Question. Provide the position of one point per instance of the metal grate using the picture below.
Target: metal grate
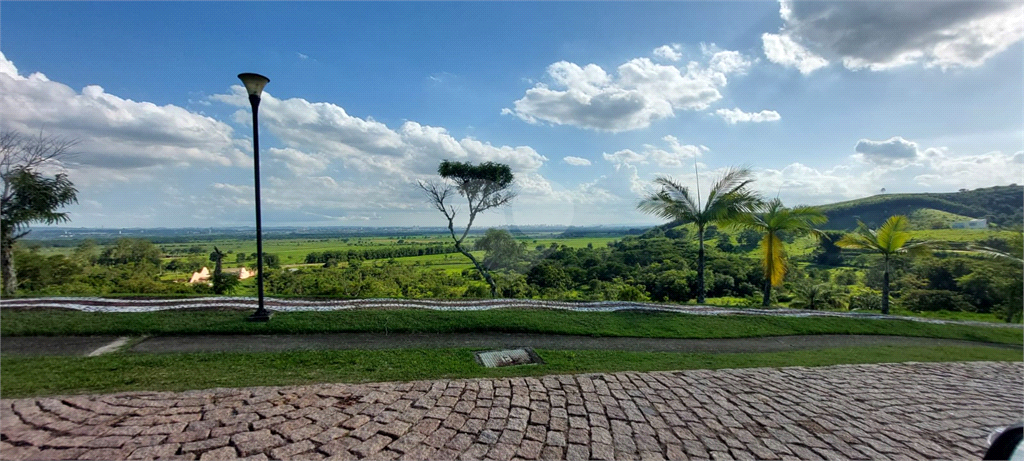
(505, 358)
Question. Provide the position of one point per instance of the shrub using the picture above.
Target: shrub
(934, 300)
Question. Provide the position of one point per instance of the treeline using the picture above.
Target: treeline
(659, 265)
(384, 252)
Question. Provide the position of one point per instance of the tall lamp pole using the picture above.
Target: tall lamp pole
(254, 84)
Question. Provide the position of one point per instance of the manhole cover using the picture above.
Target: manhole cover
(494, 359)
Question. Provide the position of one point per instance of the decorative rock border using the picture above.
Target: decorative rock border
(95, 304)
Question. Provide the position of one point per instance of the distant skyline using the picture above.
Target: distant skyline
(588, 102)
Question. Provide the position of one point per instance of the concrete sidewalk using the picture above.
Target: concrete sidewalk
(81, 346)
(886, 411)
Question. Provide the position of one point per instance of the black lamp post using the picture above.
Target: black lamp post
(254, 84)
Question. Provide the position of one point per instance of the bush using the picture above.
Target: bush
(865, 299)
(934, 300)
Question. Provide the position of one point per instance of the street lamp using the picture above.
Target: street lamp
(254, 84)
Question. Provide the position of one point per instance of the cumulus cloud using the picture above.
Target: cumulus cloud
(669, 52)
(410, 152)
(734, 116)
(888, 151)
(352, 167)
(675, 155)
(576, 161)
(934, 170)
(640, 92)
(725, 61)
(782, 50)
(886, 35)
(114, 133)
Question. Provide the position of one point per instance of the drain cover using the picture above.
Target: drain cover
(494, 359)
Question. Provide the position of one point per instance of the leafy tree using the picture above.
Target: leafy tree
(87, 252)
(889, 240)
(503, 250)
(484, 186)
(131, 251)
(29, 195)
(827, 253)
(748, 239)
(934, 300)
(774, 220)
(728, 198)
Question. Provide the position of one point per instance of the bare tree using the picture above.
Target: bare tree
(485, 186)
(29, 195)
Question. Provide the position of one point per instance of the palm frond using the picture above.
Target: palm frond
(673, 202)
(893, 235)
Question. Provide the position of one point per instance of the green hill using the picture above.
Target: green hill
(1001, 205)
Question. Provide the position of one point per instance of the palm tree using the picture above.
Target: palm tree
(772, 221)
(728, 198)
(817, 296)
(889, 240)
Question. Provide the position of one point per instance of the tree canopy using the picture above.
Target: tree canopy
(484, 186)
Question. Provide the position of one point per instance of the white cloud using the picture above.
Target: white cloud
(782, 50)
(887, 35)
(300, 163)
(734, 116)
(576, 161)
(669, 52)
(346, 168)
(411, 152)
(725, 61)
(888, 151)
(115, 134)
(625, 156)
(677, 154)
(642, 92)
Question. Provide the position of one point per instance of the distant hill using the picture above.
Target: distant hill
(1001, 205)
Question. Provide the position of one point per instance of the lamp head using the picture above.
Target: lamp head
(254, 83)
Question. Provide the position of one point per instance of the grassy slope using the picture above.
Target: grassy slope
(174, 372)
(1000, 202)
(628, 324)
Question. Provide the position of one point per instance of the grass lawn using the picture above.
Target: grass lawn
(38, 376)
(622, 323)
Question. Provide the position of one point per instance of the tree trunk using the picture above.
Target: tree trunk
(700, 265)
(10, 277)
(885, 292)
(481, 269)
(885, 288)
(767, 292)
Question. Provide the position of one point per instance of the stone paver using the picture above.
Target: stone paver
(890, 411)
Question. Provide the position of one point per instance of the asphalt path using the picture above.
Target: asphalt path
(81, 346)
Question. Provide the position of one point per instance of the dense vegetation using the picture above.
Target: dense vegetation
(656, 266)
(659, 265)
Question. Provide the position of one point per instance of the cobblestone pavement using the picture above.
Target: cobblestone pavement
(889, 411)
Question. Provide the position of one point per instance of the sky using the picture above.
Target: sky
(587, 102)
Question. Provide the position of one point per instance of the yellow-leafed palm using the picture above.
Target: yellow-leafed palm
(774, 220)
(888, 240)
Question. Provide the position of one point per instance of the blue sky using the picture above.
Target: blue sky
(588, 102)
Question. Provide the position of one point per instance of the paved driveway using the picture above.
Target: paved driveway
(891, 411)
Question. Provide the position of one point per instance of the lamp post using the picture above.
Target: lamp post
(254, 84)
